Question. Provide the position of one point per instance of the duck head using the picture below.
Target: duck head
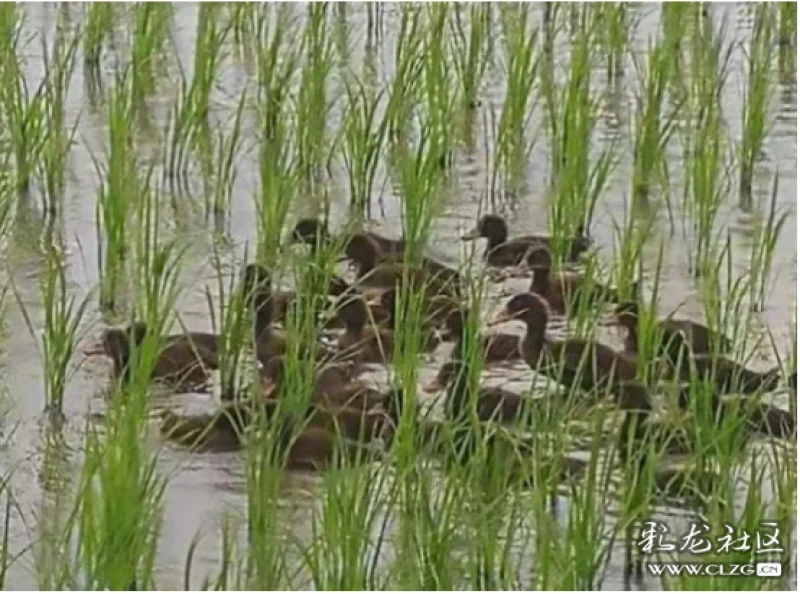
(312, 232)
(525, 307)
(491, 227)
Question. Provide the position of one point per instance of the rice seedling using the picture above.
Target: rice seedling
(762, 251)
(707, 159)
(149, 31)
(24, 112)
(99, 21)
(59, 140)
(227, 150)
(470, 50)
(312, 103)
(63, 317)
(404, 90)
(758, 96)
(362, 139)
(615, 20)
(577, 180)
(787, 35)
(512, 145)
(118, 188)
(652, 128)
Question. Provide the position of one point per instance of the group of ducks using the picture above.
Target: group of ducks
(345, 417)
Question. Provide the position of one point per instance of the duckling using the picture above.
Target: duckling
(589, 365)
(493, 404)
(674, 332)
(366, 343)
(181, 363)
(497, 347)
(562, 289)
(504, 252)
(433, 277)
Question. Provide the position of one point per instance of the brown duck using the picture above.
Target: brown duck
(586, 364)
(674, 334)
(181, 362)
(333, 386)
(728, 376)
(493, 404)
(308, 444)
(315, 234)
(563, 289)
(390, 303)
(256, 276)
(433, 277)
(497, 347)
(361, 340)
(502, 251)
(640, 437)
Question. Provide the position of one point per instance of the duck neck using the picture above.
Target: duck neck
(262, 318)
(368, 260)
(541, 280)
(497, 236)
(534, 340)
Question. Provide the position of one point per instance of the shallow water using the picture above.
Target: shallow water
(206, 488)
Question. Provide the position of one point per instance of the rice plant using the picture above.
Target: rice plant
(758, 95)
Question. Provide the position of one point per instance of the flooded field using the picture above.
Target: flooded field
(150, 152)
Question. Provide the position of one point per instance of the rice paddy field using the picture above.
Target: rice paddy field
(150, 151)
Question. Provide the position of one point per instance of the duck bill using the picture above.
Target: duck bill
(471, 236)
(432, 386)
(501, 318)
(94, 350)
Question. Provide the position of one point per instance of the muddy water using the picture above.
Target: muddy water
(206, 488)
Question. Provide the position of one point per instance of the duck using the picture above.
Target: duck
(269, 342)
(674, 333)
(316, 442)
(759, 418)
(640, 437)
(497, 347)
(436, 308)
(360, 340)
(390, 303)
(334, 385)
(315, 234)
(181, 362)
(434, 277)
(493, 404)
(256, 276)
(561, 290)
(503, 251)
(727, 376)
(587, 364)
